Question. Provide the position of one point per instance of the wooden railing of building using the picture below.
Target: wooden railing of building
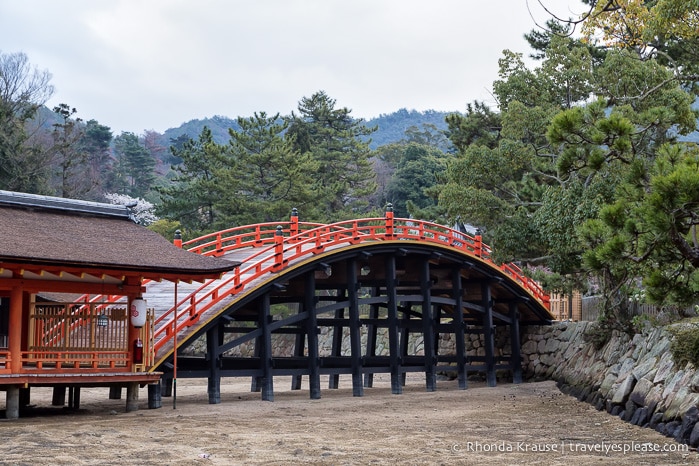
(81, 337)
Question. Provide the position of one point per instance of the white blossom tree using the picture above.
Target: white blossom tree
(143, 212)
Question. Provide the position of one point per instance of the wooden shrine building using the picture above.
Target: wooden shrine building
(60, 260)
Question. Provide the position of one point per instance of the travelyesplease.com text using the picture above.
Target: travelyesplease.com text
(604, 448)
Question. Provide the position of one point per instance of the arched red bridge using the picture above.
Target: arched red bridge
(359, 280)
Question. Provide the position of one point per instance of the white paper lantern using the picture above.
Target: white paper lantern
(138, 312)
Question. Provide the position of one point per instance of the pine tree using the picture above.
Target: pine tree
(135, 165)
(195, 191)
(339, 145)
(264, 178)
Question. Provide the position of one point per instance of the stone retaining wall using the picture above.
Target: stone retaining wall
(632, 377)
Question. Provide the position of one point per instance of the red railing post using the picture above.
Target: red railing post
(278, 249)
(178, 239)
(319, 243)
(294, 225)
(219, 245)
(478, 244)
(236, 277)
(355, 233)
(389, 221)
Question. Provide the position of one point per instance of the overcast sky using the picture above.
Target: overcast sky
(137, 65)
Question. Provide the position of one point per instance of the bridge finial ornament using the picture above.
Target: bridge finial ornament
(177, 241)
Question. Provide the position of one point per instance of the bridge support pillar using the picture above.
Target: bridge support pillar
(166, 383)
(309, 306)
(299, 347)
(74, 397)
(404, 337)
(372, 333)
(334, 379)
(155, 399)
(213, 342)
(459, 327)
(488, 336)
(354, 325)
(515, 345)
(256, 384)
(393, 335)
(115, 392)
(267, 380)
(428, 328)
(25, 397)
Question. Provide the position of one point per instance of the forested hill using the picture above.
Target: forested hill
(218, 125)
(391, 126)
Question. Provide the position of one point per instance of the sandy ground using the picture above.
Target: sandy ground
(531, 423)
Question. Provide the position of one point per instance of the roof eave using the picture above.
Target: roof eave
(148, 272)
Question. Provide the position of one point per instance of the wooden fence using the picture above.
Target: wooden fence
(576, 307)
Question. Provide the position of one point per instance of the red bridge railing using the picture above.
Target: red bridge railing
(282, 243)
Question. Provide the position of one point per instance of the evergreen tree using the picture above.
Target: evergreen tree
(72, 176)
(95, 142)
(416, 171)
(334, 140)
(135, 166)
(429, 135)
(195, 191)
(263, 176)
(587, 176)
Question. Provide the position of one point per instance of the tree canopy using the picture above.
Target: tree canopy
(24, 166)
(265, 174)
(334, 140)
(583, 172)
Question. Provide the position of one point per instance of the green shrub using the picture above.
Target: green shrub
(685, 345)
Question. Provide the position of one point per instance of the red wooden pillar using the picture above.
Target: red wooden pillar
(389, 221)
(16, 329)
(478, 244)
(294, 225)
(278, 250)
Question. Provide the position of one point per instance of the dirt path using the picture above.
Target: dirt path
(507, 424)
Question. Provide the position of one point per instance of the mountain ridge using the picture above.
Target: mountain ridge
(391, 127)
